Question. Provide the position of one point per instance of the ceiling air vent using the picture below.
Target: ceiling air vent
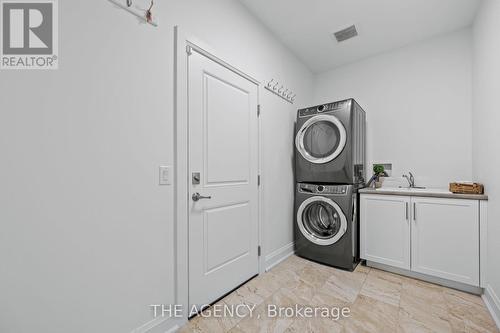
(346, 33)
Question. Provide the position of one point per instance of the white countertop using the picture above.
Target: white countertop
(419, 192)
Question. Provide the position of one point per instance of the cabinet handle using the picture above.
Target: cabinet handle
(406, 206)
(414, 211)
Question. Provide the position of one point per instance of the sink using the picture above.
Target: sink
(393, 189)
(414, 189)
(402, 189)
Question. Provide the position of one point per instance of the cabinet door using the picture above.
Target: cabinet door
(385, 229)
(445, 238)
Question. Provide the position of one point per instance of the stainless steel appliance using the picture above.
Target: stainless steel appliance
(326, 224)
(330, 144)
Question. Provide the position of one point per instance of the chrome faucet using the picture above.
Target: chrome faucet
(410, 179)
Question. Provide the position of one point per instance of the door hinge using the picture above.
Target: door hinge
(258, 110)
(258, 180)
(258, 251)
(189, 50)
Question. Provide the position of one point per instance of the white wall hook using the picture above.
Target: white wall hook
(136, 10)
(282, 92)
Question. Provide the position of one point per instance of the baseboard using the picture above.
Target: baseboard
(161, 325)
(492, 303)
(277, 256)
(432, 279)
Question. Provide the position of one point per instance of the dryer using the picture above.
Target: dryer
(330, 143)
(326, 224)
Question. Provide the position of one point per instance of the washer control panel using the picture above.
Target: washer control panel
(322, 189)
(313, 110)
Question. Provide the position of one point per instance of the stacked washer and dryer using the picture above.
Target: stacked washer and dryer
(330, 168)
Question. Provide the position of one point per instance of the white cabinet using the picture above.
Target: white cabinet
(385, 229)
(445, 238)
(433, 236)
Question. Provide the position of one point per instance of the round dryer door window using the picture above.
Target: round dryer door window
(321, 221)
(321, 139)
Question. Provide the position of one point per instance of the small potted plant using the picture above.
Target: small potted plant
(378, 172)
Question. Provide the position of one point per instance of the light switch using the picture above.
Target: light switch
(165, 175)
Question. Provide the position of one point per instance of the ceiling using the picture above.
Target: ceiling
(306, 26)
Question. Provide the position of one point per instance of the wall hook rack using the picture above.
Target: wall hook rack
(279, 90)
(144, 14)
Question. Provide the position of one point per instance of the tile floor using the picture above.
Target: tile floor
(378, 302)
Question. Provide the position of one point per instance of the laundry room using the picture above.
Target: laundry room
(249, 166)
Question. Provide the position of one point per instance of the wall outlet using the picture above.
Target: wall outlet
(165, 175)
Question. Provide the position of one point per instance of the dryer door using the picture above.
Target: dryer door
(321, 220)
(321, 139)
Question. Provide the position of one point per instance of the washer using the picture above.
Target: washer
(326, 224)
(330, 143)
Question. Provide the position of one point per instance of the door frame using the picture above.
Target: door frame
(183, 43)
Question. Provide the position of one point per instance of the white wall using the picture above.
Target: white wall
(278, 179)
(418, 105)
(86, 241)
(486, 66)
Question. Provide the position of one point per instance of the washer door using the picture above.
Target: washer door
(321, 139)
(321, 220)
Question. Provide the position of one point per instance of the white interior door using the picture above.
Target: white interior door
(223, 163)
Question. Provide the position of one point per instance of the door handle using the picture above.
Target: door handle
(406, 206)
(414, 211)
(197, 197)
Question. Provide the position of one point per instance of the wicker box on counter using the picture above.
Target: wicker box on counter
(467, 188)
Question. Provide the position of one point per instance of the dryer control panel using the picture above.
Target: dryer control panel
(313, 110)
(323, 189)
